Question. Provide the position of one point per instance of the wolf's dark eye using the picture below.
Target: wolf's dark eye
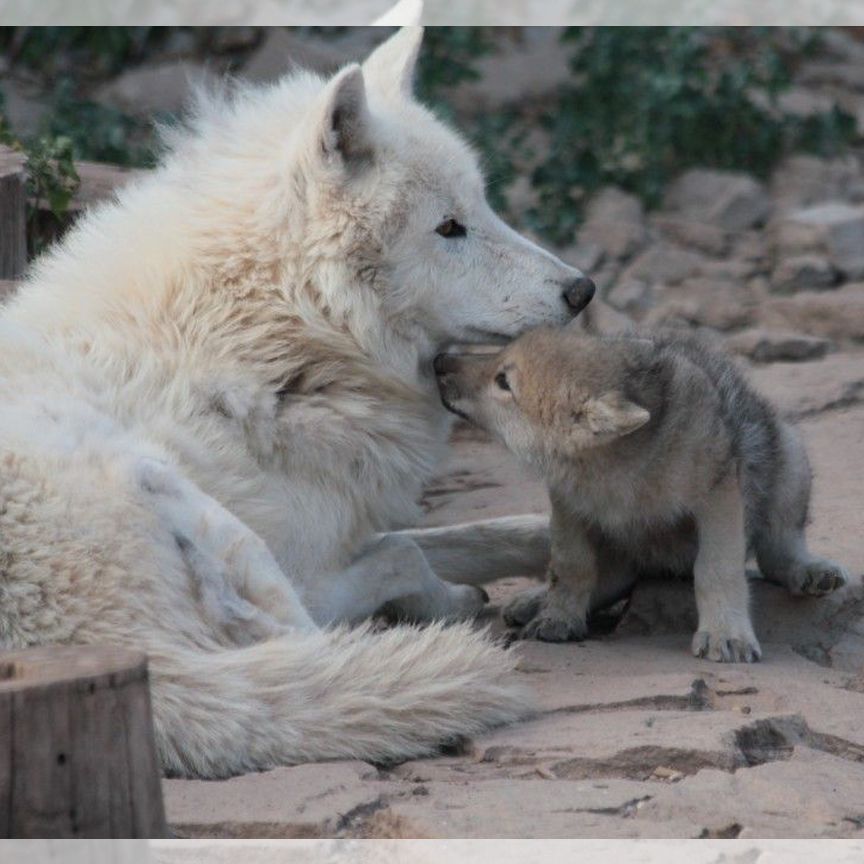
(451, 228)
(501, 381)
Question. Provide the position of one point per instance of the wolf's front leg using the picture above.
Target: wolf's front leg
(241, 587)
(478, 552)
(559, 613)
(391, 572)
(725, 632)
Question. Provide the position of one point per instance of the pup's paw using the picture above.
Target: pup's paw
(725, 647)
(818, 578)
(523, 607)
(550, 628)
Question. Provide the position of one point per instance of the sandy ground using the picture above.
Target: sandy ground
(634, 737)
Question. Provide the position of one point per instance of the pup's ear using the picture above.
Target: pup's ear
(614, 414)
(344, 128)
(390, 67)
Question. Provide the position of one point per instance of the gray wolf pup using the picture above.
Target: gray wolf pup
(658, 457)
(218, 405)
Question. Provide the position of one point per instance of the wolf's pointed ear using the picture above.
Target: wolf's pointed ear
(344, 130)
(613, 414)
(401, 14)
(390, 67)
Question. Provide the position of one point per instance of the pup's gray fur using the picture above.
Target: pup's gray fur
(659, 457)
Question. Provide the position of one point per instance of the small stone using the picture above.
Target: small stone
(663, 262)
(587, 257)
(731, 269)
(705, 238)
(834, 229)
(801, 181)
(831, 314)
(849, 75)
(612, 204)
(154, 88)
(633, 296)
(615, 222)
(803, 273)
(769, 346)
(703, 302)
(227, 39)
(727, 199)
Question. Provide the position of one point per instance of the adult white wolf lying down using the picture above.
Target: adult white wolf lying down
(218, 391)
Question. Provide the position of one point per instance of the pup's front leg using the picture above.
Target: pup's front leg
(559, 613)
(725, 633)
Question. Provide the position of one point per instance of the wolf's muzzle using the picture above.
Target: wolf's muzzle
(579, 293)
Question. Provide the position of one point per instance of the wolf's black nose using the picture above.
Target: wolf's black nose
(578, 293)
(445, 363)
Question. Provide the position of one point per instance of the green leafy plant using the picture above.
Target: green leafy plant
(98, 132)
(52, 181)
(648, 102)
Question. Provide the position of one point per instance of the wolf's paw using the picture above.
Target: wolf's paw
(523, 607)
(468, 602)
(724, 647)
(549, 628)
(818, 578)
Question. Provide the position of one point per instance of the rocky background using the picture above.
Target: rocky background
(634, 737)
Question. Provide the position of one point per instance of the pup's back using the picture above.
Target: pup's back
(755, 432)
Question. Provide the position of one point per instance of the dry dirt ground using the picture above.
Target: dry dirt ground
(634, 737)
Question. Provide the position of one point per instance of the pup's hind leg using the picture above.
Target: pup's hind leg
(722, 599)
(391, 572)
(778, 537)
(241, 587)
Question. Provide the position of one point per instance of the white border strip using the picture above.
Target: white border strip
(441, 12)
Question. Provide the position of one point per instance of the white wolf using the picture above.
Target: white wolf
(218, 391)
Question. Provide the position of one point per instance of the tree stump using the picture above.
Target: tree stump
(77, 753)
(13, 214)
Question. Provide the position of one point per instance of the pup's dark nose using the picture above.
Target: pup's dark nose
(445, 363)
(578, 293)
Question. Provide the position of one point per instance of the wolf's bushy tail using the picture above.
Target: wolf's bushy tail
(349, 694)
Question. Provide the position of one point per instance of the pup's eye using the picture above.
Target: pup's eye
(451, 228)
(501, 381)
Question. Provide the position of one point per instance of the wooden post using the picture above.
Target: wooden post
(13, 214)
(77, 754)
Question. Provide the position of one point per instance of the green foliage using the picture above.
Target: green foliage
(98, 132)
(448, 58)
(648, 102)
(52, 181)
(93, 51)
(643, 104)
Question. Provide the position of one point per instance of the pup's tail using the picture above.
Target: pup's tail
(342, 694)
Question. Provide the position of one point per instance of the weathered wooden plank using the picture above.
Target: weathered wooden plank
(13, 214)
(81, 760)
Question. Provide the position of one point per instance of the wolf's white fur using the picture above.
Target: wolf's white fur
(217, 391)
